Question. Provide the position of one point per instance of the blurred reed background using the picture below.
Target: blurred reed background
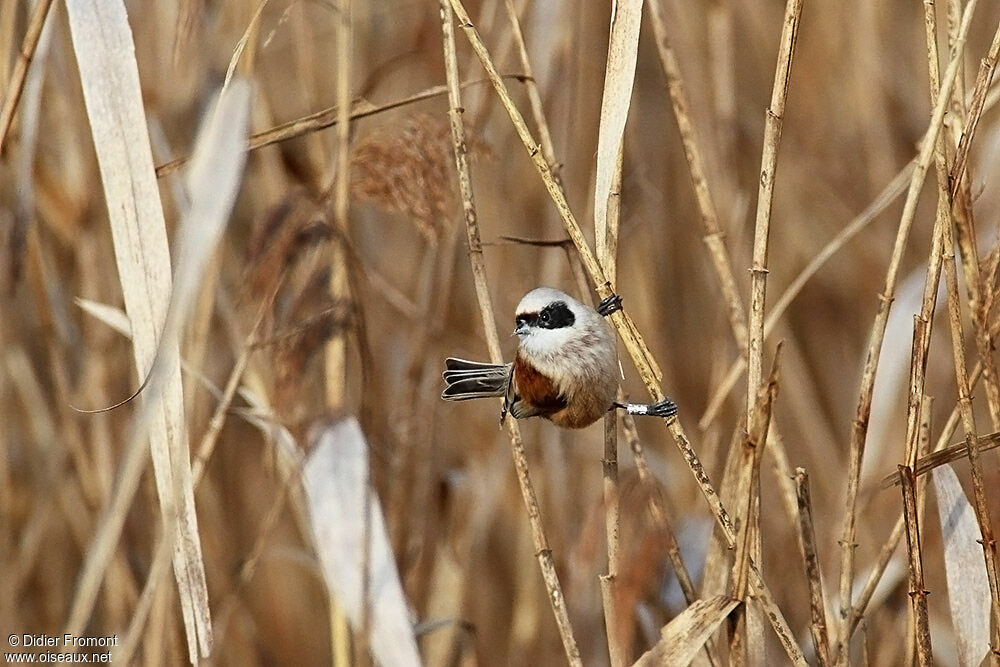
(858, 105)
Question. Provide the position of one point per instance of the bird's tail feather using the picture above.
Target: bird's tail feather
(472, 379)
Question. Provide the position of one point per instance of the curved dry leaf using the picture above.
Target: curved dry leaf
(336, 485)
(965, 571)
(105, 55)
(623, 46)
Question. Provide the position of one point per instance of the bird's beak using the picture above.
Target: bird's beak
(521, 329)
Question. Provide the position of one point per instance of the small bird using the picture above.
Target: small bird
(565, 368)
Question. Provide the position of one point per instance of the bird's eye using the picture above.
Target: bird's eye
(544, 317)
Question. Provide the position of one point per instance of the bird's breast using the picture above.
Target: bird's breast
(536, 388)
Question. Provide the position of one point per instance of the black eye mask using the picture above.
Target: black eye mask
(556, 315)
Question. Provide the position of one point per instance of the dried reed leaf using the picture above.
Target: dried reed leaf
(682, 638)
(212, 181)
(338, 494)
(105, 55)
(965, 572)
(619, 76)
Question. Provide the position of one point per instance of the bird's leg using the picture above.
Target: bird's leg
(664, 408)
(609, 305)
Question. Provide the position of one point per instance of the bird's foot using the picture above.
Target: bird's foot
(609, 305)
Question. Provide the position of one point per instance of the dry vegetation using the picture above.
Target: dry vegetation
(330, 296)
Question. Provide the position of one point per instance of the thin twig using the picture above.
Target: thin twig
(542, 550)
(20, 73)
(328, 117)
(950, 454)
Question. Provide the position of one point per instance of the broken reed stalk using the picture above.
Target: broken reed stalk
(542, 550)
(918, 596)
(859, 428)
(20, 73)
(810, 560)
(627, 331)
(714, 238)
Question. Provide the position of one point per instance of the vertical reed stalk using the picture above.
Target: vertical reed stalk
(758, 288)
(542, 550)
(613, 620)
(336, 348)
